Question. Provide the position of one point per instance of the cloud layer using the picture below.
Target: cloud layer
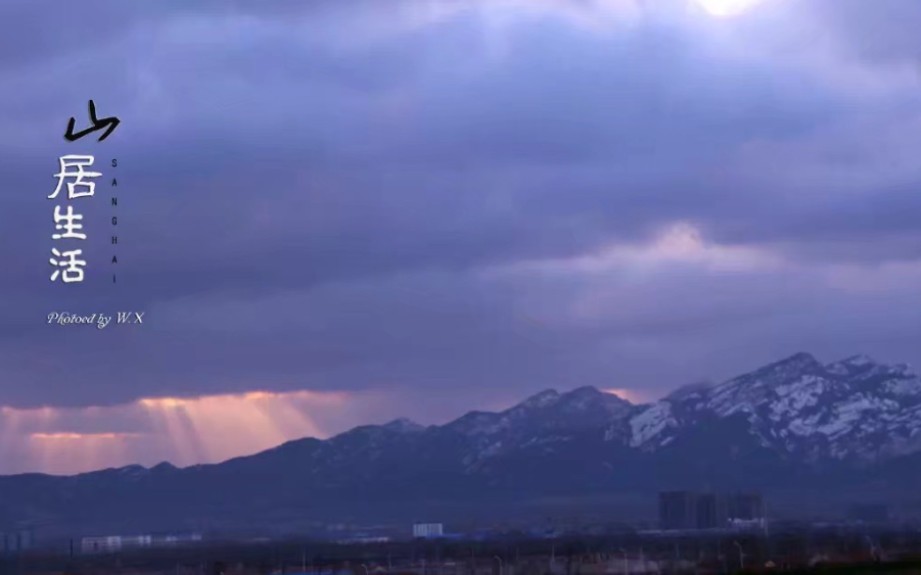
(470, 201)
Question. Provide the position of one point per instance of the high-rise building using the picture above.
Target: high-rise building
(15, 541)
(689, 510)
(746, 507)
(677, 510)
(711, 511)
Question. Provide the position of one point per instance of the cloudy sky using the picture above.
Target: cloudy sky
(342, 212)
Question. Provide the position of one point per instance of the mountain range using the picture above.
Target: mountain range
(797, 429)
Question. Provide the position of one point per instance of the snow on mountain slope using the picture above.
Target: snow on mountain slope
(545, 419)
(854, 409)
(652, 424)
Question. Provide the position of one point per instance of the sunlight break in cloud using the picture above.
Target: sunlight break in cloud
(634, 396)
(219, 427)
(181, 430)
(728, 8)
(678, 243)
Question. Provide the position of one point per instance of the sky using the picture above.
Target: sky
(335, 213)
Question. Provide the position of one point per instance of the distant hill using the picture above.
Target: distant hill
(796, 428)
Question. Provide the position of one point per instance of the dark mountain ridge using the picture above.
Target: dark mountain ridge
(848, 427)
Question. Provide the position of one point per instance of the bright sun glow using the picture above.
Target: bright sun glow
(727, 8)
(631, 395)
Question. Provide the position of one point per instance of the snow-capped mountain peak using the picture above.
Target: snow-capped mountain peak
(858, 360)
(587, 398)
(851, 365)
(690, 390)
(539, 400)
(855, 408)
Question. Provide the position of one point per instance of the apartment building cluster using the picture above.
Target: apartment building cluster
(691, 510)
(16, 540)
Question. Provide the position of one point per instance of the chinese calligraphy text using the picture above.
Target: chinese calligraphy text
(76, 176)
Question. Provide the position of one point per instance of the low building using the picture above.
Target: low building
(115, 543)
(175, 539)
(363, 540)
(428, 530)
(869, 513)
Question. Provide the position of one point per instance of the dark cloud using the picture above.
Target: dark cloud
(333, 199)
